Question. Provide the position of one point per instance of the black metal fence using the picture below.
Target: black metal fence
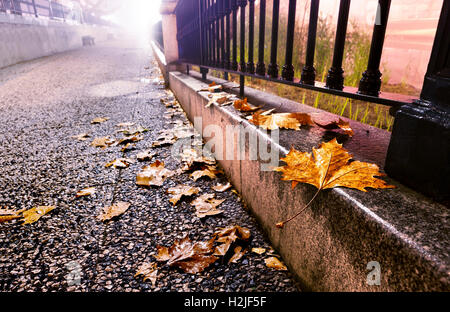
(208, 36)
(419, 151)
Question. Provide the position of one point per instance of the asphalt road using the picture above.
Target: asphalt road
(43, 103)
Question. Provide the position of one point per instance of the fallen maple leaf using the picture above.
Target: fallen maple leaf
(115, 210)
(145, 155)
(102, 142)
(206, 205)
(34, 214)
(99, 120)
(180, 191)
(229, 235)
(153, 175)
(190, 257)
(86, 192)
(191, 157)
(221, 187)
(131, 139)
(275, 263)
(208, 171)
(340, 124)
(327, 167)
(281, 120)
(243, 106)
(149, 270)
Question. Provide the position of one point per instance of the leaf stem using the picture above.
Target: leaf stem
(281, 224)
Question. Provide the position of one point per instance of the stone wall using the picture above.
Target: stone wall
(24, 38)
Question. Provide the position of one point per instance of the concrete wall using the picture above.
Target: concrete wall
(23, 38)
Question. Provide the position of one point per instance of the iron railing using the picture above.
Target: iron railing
(419, 150)
(208, 37)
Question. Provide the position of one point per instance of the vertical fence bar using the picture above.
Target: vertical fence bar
(217, 23)
(228, 34)
(272, 69)
(201, 9)
(308, 71)
(251, 37)
(213, 32)
(210, 34)
(335, 78)
(222, 32)
(370, 83)
(261, 67)
(288, 69)
(234, 64)
(242, 64)
(34, 8)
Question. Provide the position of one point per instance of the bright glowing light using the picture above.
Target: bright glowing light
(137, 16)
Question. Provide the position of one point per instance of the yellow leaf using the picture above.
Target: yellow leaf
(34, 214)
(113, 211)
(81, 137)
(274, 263)
(329, 166)
(259, 251)
(281, 120)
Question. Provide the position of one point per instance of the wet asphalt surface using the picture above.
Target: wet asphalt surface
(43, 103)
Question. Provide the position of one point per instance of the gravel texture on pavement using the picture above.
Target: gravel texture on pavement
(43, 103)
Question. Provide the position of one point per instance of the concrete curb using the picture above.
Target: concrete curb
(346, 236)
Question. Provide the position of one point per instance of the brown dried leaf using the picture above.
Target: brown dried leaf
(131, 139)
(340, 124)
(145, 155)
(239, 252)
(115, 210)
(102, 142)
(180, 191)
(208, 171)
(86, 192)
(274, 263)
(153, 175)
(229, 235)
(329, 166)
(221, 187)
(34, 214)
(190, 257)
(206, 205)
(281, 120)
(243, 106)
(149, 270)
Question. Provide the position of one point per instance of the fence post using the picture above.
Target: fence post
(419, 151)
(169, 27)
(34, 8)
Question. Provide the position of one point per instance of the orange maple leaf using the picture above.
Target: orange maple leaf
(327, 167)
